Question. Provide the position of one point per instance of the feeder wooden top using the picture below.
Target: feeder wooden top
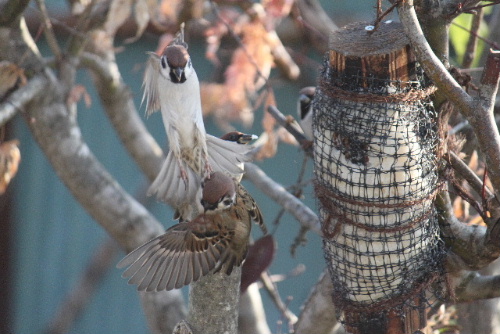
(354, 40)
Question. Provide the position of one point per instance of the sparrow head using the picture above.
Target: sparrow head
(306, 96)
(176, 63)
(238, 137)
(219, 192)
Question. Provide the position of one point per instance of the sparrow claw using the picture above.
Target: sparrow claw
(184, 177)
(208, 169)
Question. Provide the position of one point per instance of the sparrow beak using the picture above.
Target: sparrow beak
(245, 139)
(178, 73)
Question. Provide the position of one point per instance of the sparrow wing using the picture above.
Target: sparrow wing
(182, 255)
(150, 84)
(251, 206)
(226, 156)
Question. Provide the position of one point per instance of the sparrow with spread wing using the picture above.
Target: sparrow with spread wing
(171, 85)
(214, 240)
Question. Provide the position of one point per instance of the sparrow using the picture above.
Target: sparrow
(215, 240)
(171, 86)
(233, 136)
(304, 110)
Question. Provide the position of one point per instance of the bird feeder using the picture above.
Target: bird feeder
(375, 155)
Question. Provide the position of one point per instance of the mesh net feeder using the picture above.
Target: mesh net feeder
(376, 176)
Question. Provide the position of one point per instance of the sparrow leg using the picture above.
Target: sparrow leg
(184, 175)
(208, 168)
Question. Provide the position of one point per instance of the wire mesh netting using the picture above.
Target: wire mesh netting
(376, 178)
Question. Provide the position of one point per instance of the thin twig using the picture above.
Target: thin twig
(474, 8)
(278, 193)
(470, 53)
(492, 44)
(272, 290)
(292, 128)
(468, 174)
(48, 31)
(381, 15)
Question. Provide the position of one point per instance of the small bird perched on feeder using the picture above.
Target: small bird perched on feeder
(171, 85)
(215, 240)
(304, 110)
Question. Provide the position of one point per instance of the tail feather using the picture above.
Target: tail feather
(170, 188)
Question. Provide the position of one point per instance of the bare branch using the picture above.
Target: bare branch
(279, 194)
(11, 10)
(292, 128)
(272, 290)
(19, 99)
(120, 108)
(479, 112)
(470, 52)
(318, 313)
(213, 303)
(474, 286)
(49, 32)
(163, 310)
(315, 17)
(475, 245)
(252, 317)
(474, 181)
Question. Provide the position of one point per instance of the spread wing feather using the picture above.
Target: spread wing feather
(182, 255)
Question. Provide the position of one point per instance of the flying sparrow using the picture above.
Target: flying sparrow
(304, 110)
(171, 85)
(215, 240)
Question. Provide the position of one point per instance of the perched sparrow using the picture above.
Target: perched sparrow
(171, 85)
(216, 239)
(304, 110)
(233, 136)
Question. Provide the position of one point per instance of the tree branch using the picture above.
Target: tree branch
(11, 10)
(318, 313)
(252, 317)
(475, 245)
(474, 286)
(120, 108)
(279, 194)
(479, 111)
(213, 303)
(315, 17)
(19, 99)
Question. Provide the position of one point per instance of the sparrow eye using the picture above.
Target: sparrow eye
(163, 62)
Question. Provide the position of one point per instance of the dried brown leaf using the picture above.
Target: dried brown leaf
(10, 157)
(259, 258)
(11, 76)
(458, 208)
(77, 93)
(169, 9)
